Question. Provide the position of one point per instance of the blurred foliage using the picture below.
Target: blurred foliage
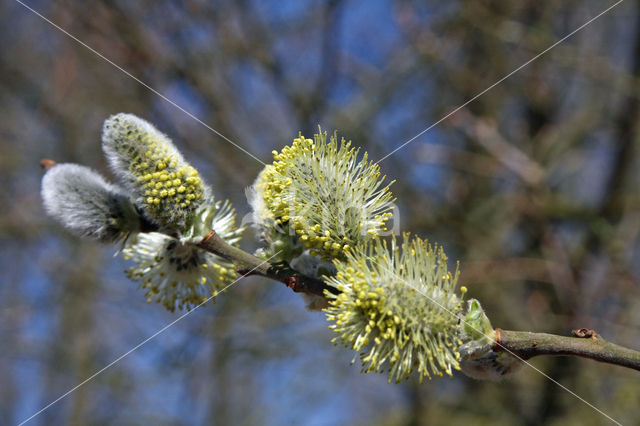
(533, 187)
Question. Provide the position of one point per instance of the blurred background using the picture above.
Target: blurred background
(533, 187)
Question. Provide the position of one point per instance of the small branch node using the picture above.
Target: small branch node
(293, 283)
(46, 163)
(585, 333)
(209, 236)
(498, 338)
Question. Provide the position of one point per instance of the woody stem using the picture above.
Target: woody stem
(248, 264)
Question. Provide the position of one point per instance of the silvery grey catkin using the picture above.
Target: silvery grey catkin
(87, 205)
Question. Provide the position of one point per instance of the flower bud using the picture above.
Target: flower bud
(164, 185)
(87, 205)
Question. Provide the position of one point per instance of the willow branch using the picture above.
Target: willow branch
(524, 344)
(248, 264)
(585, 344)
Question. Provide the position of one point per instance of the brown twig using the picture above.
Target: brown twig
(248, 264)
(526, 345)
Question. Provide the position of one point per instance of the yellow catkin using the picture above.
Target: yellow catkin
(401, 320)
(321, 190)
(166, 187)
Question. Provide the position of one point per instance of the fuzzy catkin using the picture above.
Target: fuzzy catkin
(176, 273)
(322, 193)
(164, 185)
(87, 205)
(398, 307)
